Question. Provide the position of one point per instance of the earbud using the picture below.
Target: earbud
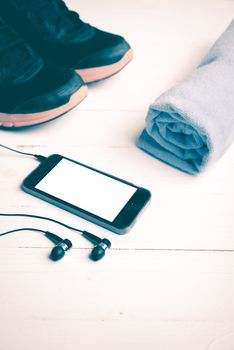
(101, 245)
(58, 252)
(99, 250)
(62, 245)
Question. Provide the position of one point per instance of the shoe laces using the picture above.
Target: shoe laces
(53, 19)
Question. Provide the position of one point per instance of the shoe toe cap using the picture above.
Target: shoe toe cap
(111, 49)
(51, 99)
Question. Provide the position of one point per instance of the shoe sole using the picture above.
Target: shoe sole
(91, 75)
(21, 120)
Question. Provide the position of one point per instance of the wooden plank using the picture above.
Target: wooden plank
(132, 299)
(81, 128)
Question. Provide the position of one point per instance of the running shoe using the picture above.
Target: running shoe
(32, 90)
(60, 36)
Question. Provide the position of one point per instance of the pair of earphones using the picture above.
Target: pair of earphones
(64, 245)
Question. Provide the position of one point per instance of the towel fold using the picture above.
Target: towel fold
(192, 124)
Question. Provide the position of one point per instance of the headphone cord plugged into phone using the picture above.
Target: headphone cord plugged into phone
(100, 245)
(39, 157)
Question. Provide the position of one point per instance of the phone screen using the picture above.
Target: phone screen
(89, 190)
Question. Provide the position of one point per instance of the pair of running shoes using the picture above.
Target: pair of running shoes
(47, 56)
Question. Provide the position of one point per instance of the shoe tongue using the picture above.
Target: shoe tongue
(18, 62)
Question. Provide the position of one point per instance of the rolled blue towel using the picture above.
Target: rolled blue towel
(192, 124)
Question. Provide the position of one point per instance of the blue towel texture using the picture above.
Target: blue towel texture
(192, 124)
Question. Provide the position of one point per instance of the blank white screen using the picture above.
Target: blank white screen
(87, 189)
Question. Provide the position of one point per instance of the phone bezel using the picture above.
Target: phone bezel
(121, 224)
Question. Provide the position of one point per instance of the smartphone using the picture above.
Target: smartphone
(96, 196)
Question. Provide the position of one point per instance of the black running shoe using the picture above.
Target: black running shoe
(60, 36)
(33, 91)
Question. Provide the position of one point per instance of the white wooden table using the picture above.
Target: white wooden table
(169, 283)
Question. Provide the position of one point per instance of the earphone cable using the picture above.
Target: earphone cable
(44, 218)
(98, 252)
(39, 157)
(22, 229)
